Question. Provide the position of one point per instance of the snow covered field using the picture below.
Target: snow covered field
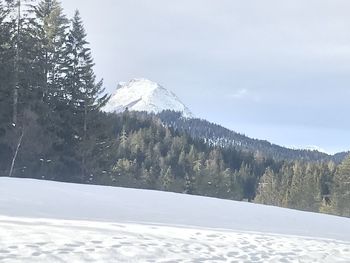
(43, 221)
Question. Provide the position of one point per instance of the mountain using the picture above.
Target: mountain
(216, 135)
(145, 95)
(111, 224)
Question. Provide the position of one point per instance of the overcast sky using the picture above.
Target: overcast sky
(275, 70)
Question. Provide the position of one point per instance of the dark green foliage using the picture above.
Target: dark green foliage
(83, 95)
(138, 151)
(6, 68)
(341, 189)
(46, 119)
(51, 26)
(52, 127)
(217, 135)
(296, 185)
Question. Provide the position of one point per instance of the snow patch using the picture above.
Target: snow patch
(43, 240)
(46, 199)
(43, 221)
(145, 95)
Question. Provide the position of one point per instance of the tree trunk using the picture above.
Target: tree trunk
(84, 142)
(16, 75)
(16, 153)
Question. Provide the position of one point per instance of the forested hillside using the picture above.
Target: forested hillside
(52, 127)
(217, 135)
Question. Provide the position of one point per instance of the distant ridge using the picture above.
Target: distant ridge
(217, 135)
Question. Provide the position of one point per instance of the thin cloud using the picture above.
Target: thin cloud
(245, 94)
(240, 94)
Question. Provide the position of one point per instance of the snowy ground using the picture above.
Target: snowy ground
(44, 221)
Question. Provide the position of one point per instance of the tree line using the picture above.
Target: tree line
(318, 187)
(49, 92)
(217, 135)
(52, 127)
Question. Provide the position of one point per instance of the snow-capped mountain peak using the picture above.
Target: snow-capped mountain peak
(145, 95)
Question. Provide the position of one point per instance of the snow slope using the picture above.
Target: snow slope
(145, 95)
(42, 221)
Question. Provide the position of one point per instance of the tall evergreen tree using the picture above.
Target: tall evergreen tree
(6, 82)
(341, 189)
(84, 94)
(20, 56)
(6, 66)
(166, 179)
(267, 192)
(51, 26)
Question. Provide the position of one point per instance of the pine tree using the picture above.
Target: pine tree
(286, 177)
(248, 180)
(84, 94)
(236, 189)
(189, 184)
(166, 179)
(6, 91)
(223, 184)
(16, 66)
(150, 177)
(295, 192)
(51, 26)
(123, 138)
(341, 189)
(311, 188)
(6, 68)
(267, 192)
(19, 54)
(24, 80)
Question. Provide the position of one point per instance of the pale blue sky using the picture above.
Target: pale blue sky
(275, 70)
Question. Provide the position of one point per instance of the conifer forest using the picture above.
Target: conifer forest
(53, 127)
